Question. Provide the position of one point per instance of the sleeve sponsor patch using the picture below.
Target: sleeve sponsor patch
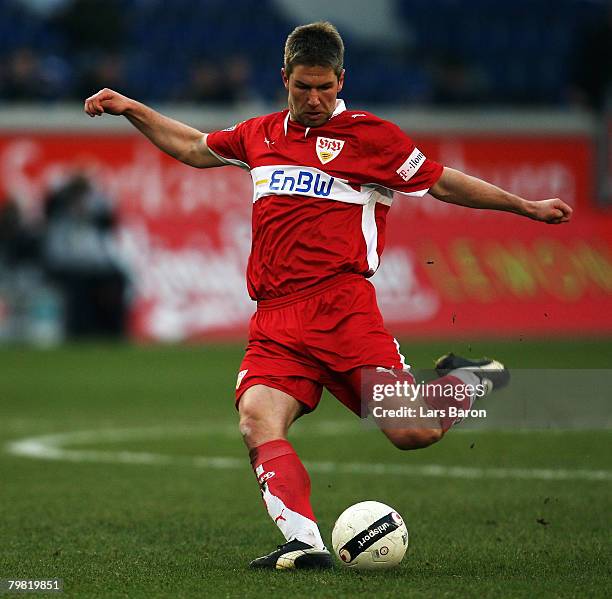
(412, 164)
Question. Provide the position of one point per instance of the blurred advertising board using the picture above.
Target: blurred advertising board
(446, 270)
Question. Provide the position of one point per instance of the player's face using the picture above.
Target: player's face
(312, 93)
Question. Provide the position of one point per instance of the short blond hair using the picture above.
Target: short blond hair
(315, 45)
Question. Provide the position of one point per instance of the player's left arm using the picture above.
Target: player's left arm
(456, 187)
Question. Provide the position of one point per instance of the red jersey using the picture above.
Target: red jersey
(321, 194)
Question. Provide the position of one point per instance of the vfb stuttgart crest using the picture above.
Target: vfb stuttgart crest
(328, 149)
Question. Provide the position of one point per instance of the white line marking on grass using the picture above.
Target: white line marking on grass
(54, 447)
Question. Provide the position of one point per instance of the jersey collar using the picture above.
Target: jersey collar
(340, 107)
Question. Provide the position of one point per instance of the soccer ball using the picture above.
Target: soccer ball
(370, 536)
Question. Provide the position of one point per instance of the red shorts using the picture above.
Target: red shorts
(320, 337)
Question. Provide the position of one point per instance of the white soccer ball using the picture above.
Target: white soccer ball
(370, 536)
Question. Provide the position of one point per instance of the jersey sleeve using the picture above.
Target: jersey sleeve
(229, 145)
(397, 164)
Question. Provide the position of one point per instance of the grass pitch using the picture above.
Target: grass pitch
(156, 498)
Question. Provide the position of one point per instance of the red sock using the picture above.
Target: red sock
(285, 489)
(443, 401)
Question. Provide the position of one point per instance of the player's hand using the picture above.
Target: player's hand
(553, 211)
(107, 100)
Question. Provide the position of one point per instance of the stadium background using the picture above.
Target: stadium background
(170, 243)
(128, 269)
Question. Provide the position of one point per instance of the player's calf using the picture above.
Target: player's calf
(413, 438)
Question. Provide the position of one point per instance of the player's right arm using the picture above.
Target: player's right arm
(173, 137)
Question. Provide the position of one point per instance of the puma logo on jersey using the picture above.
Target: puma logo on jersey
(354, 116)
(387, 370)
(328, 149)
(240, 377)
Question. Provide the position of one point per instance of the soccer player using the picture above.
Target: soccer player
(323, 180)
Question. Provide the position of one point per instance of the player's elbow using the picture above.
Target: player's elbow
(453, 187)
(189, 157)
(199, 158)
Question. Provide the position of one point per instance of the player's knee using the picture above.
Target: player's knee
(257, 424)
(414, 438)
(266, 414)
(250, 420)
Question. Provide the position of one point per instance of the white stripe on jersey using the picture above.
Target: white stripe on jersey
(231, 161)
(405, 367)
(289, 180)
(370, 234)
